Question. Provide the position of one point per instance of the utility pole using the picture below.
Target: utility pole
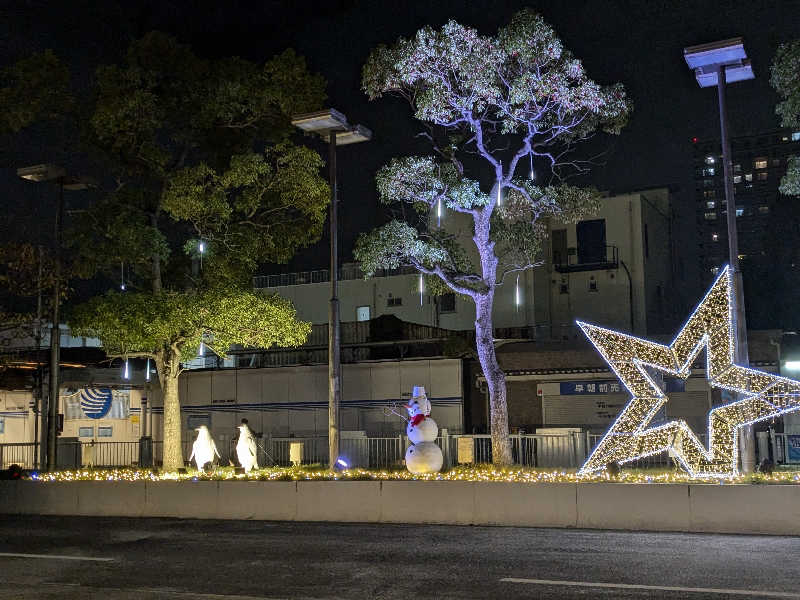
(332, 125)
(719, 63)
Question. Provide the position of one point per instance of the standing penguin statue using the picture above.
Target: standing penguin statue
(204, 448)
(246, 449)
(424, 455)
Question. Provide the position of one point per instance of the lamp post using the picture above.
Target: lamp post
(717, 64)
(332, 124)
(53, 174)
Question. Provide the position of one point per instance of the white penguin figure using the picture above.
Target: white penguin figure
(246, 449)
(204, 448)
(424, 455)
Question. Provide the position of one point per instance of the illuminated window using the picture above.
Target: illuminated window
(748, 177)
(796, 136)
(714, 237)
(447, 303)
(362, 313)
(714, 270)
(394, 301)
(739, 212)
(761, 163)
(709, 194)
(763, 210)
(104, 431)
(763, 176)
(709, 160)
(711, 216)
(737, 179)
(708, 171)
(85, 432)
(737, 168)
(711, 204)
(708, 183)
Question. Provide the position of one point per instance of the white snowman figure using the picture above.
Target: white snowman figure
(246, 449)
(423, 456)
(204, 448)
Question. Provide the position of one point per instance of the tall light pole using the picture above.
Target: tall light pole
(332, 125)
(54, 174)
(717, 64)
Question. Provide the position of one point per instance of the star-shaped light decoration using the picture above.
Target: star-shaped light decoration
(761, 395)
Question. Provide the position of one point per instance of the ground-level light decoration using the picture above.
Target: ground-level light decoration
(423, 455)
(762, 395)
(246, 450)
(204, 448)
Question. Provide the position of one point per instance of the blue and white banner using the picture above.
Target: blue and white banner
(97, 403)
(793, 448)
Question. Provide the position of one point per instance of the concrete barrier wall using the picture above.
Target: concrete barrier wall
(766, 509)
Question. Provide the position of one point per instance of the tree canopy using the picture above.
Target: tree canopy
(785, 78)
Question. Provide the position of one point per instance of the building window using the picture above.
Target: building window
(85, 432)
(708, 171)
(737, 168)
(763, 176)
(748, 177)
(796, 136)
(708, 183)
(564, 288)
(714, 237)
(362, 313)
(763, 210)
(711, 204)
(761, 163)
(447, 303)
(394, 301)
(591, 241)
(776, 162)
(2, 424)
(593, 285)
(709, 194)
(739, 212)
(709, 160)
(737, 179)
(714, 270)
(104, 431)
(710, 216)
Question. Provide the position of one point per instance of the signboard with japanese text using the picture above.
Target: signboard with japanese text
(573, 388)
(793, 448)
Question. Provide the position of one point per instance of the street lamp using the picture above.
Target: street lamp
(49, 173)
(332, 124)
(716, 64)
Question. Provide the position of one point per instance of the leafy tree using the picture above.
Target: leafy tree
(786, 81)
(206, 186)
(519, 90)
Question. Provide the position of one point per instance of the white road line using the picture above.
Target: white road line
(663, 588)
(55, 556)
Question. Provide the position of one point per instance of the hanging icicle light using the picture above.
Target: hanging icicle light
(439, 213)
(122, 275)
(532, 173)
(499, 187)
(126, 373)
(517, 297)
(147, 371)
(202, 350)
(421, 288)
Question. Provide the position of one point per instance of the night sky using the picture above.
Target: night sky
(637, 43)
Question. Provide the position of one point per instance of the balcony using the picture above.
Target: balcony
(603, 258)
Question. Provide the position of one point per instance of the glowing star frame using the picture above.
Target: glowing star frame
(763, 395)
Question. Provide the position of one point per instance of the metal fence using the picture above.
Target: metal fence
(530, 450)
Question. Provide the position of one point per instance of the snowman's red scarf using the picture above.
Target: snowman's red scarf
(417, 419)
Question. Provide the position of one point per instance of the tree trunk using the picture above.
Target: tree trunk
(168, 371)
(495, 380)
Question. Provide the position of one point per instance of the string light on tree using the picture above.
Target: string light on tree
(147, 370)
(517, 296)
(710, 327)
(126, 374)
(421, 288)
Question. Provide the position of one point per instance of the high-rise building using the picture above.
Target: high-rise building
(768, 223)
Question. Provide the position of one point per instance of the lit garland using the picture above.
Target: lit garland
(477, 473)
(711, 326)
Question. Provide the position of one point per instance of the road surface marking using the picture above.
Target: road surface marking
(55, 556)
(662, 588)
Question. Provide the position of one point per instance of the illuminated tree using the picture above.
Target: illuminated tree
(490, 105)
(786, 81)
(201, 184)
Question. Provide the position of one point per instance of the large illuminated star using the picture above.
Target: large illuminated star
(761, 395)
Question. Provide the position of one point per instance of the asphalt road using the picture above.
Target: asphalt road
(165, 559)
